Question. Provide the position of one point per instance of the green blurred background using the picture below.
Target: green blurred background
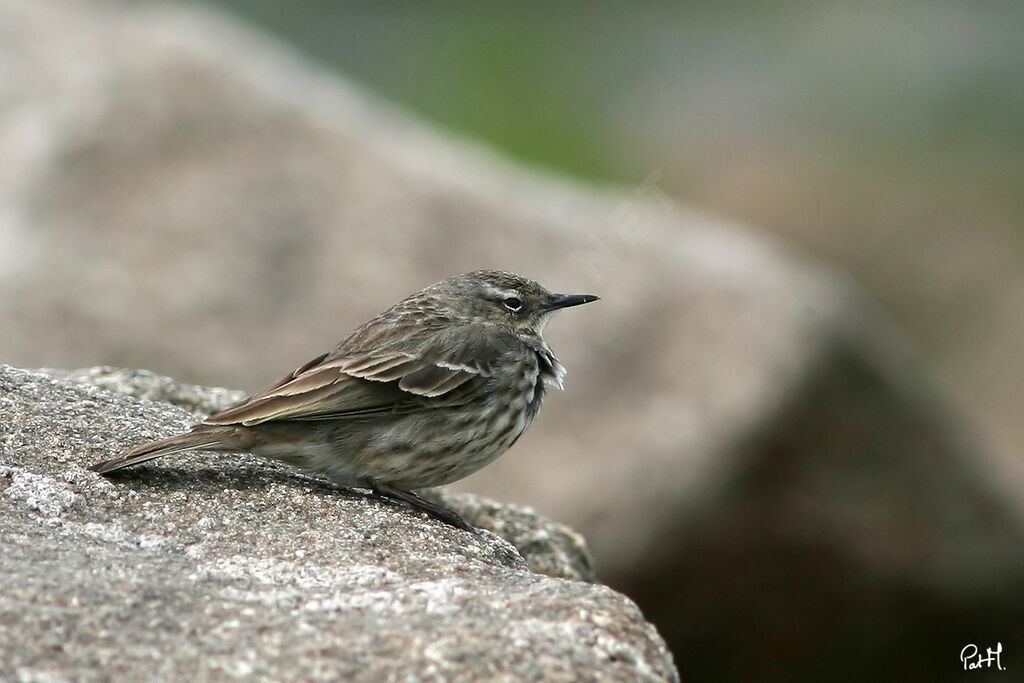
(886, 137)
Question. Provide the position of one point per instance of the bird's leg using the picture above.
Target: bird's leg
(437, 511)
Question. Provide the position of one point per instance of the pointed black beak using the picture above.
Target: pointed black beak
(566, 300)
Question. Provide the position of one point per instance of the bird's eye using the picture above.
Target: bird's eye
(513, 303)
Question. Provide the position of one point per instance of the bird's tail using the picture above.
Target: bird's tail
(191, 441)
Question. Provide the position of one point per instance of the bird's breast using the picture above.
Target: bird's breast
(543, 372)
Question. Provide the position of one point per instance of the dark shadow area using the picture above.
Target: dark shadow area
(836, 557)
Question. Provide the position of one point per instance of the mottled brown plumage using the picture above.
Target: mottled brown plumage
(426, 393)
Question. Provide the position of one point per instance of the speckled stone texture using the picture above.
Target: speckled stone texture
(210, 567)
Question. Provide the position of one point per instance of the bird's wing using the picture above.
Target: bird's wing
(445, 369)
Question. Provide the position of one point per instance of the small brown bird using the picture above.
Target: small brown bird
(426, 393)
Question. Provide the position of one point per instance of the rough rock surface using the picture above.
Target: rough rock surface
(745, 448)
(204, 568)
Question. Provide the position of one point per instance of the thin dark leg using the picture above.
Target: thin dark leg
(437, 511)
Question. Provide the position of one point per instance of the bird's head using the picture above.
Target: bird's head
(496, 297)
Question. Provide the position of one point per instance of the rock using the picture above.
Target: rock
(550, 548)
(742, 441)
(207, 567)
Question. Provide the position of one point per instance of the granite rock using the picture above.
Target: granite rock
(208, 567)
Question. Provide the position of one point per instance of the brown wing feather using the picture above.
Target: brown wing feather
(317, 394)
(434, 380)
(379, 367)
(295, 373)
(353, 383)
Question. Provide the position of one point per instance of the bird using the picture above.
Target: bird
(426, 393)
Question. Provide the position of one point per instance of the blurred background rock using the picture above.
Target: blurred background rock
(884, 137)
(751, 452)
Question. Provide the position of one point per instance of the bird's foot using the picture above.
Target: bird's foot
(436, 511)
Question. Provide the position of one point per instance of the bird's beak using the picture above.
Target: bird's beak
(565, 300)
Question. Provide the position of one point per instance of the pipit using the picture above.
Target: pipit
(426, 393)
